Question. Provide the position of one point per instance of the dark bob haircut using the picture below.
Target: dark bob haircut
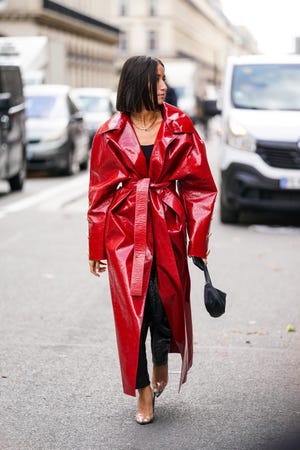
(137, 85)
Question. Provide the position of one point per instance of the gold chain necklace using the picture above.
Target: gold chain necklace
(145, 128)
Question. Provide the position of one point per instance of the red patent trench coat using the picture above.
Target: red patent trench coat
(136, 211)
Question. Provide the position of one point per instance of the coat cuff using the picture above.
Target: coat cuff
(198, 250)
(96, 250)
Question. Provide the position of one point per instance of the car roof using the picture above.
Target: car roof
(92, 91)
(265, 59)
(38, 89)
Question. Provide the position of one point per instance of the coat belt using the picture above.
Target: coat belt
(142, 187)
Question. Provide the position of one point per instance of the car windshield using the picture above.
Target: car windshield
(46, 107)
(266, 86)
(90, 103)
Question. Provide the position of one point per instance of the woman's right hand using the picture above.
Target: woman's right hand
(97, 267)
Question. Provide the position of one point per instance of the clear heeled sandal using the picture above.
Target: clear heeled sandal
(145, 419)
(159, 386)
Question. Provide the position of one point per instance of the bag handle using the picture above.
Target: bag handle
(206, 274)
(200, 263)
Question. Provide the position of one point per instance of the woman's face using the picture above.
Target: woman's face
(161, 84)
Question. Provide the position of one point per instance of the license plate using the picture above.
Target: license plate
(290, 183)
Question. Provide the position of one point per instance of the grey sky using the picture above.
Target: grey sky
(273, 23)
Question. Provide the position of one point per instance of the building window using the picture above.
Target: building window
(153, 7)
(123, 42)
(123, 7)
(152, 41)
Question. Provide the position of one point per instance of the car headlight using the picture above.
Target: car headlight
(60, 135)
(238, 137)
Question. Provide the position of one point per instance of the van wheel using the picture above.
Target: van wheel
(17, 181)
(228, 215)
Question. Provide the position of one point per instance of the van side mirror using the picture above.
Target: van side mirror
(210, 108)
(5, 102)
(77, 117)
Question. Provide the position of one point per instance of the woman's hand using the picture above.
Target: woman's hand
(97, 267)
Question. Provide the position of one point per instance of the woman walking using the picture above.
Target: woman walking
(150, 190)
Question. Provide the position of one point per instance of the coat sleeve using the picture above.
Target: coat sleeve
(198, 192)
(104, 170)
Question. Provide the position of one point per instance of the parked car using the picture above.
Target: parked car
(12, 128)
(96, 104)
(260, 147)
(56, 131)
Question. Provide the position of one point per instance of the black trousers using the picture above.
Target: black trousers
(155, 318)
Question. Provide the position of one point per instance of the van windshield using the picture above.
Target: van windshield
(266, 86)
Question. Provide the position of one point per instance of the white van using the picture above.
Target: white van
(260, 145)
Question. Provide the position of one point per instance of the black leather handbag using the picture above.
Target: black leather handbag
(214, 299)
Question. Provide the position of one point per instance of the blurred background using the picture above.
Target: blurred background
(83, 43)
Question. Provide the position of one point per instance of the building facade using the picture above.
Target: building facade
(194, 29)
(98, 35)
(88, 45)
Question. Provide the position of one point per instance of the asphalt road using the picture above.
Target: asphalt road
(60, 384)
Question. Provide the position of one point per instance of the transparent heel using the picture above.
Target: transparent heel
(159, 373)
(159, 389)
(144, 418)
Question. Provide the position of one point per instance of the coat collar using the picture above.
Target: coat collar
(174, 118)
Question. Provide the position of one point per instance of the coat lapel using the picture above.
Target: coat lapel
(164, 138)
(122, 138)
(174, 123)
(120, 134)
